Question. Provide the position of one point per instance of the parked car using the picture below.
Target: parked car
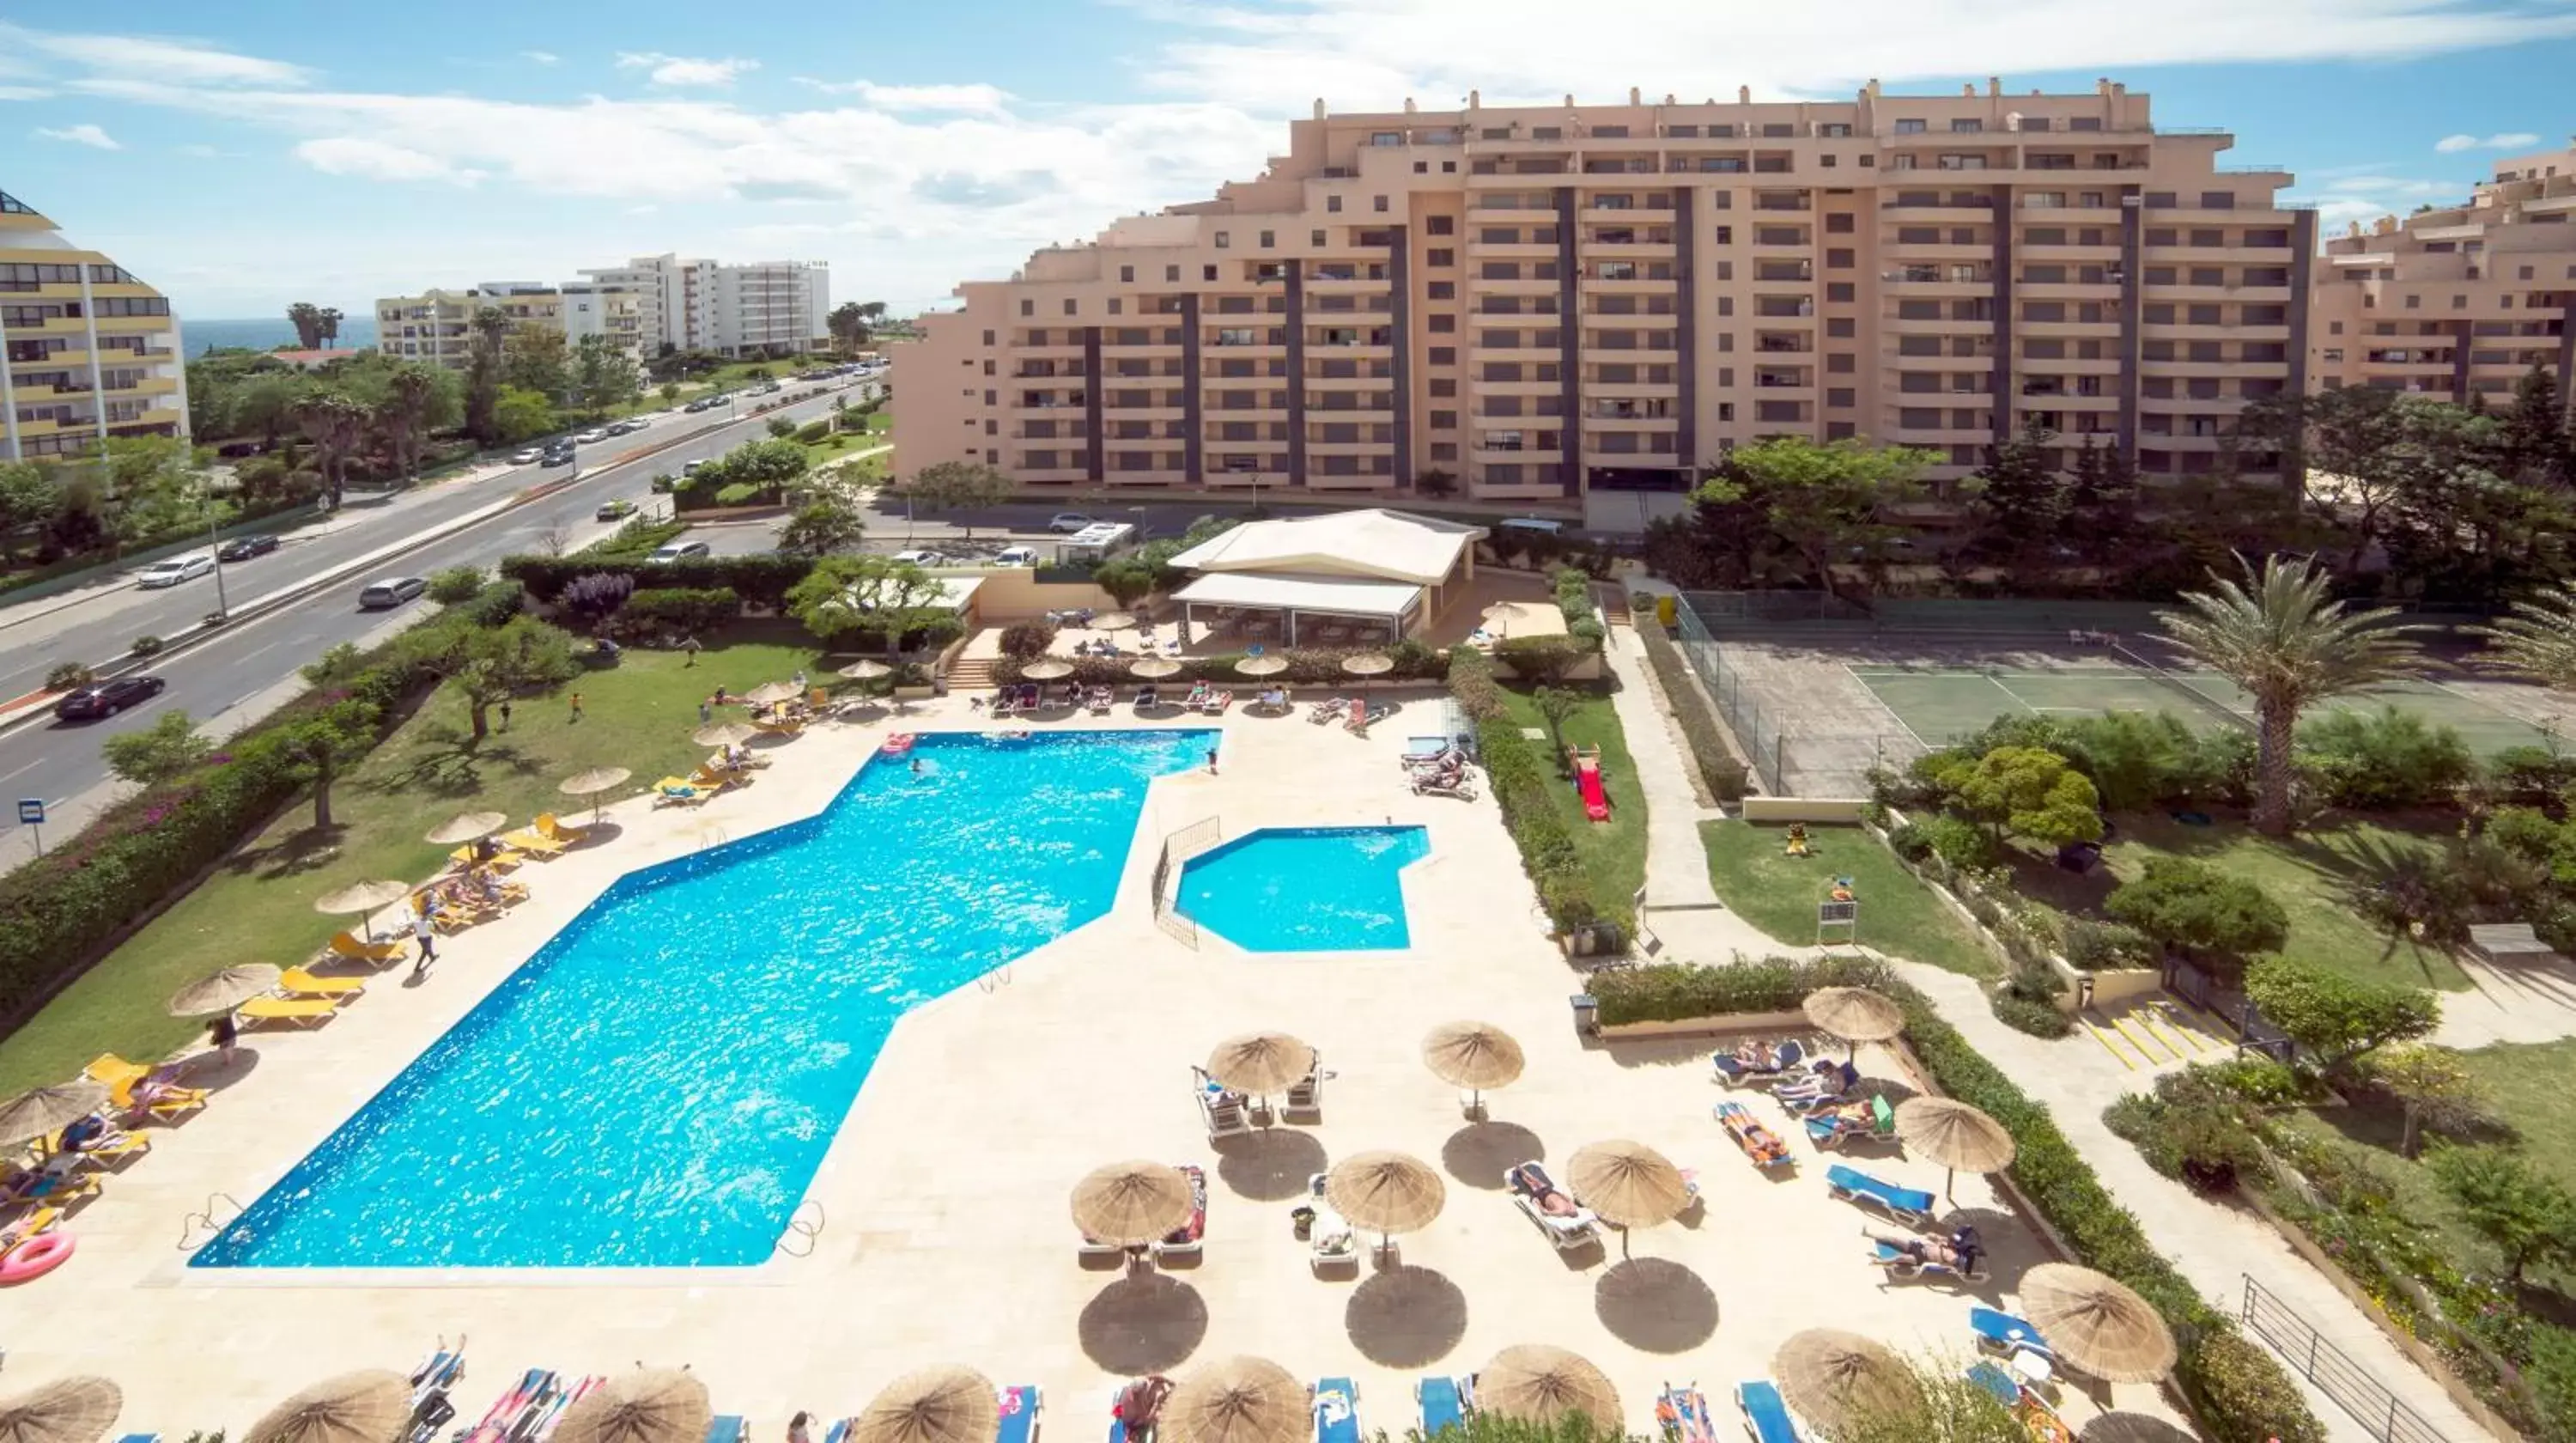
(107, 698)
(629, 426)
(243, 548)
(678, 550)
(1016, 556)
(526, 456)
(1071, 521)
(563, 457)
(592, 436)
(175, 570)
(615, 509)
(693, 468)
(699, 404)
(392, 591)
(922, 558)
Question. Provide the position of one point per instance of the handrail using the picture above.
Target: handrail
(2352, 1386)
(206, 1215)
(798, 1227)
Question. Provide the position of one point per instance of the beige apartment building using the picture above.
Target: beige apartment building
(92, 352)
(1547, 304)
(437, 326)
(2455, 301)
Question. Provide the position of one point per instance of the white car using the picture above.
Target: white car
(591, 437)
(526, 456)
(921, 558)
(678, 551)
(175, 570)
(1071, 521)
(1016, 556)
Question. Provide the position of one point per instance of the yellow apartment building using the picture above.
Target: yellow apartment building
(437, 326)
(92, 351)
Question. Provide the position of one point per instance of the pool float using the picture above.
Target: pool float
(897, 745)
(35, 1257)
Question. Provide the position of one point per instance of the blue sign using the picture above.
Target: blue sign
(31, 812)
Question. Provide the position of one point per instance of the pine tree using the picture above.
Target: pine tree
(2532, 441)
(2021, 500)
(2101, 497)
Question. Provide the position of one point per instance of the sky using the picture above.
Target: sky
(246, 155)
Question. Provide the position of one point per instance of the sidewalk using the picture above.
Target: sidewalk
(2216, 1246)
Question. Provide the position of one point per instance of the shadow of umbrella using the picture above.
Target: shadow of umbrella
(1271, 1165)
(213, 1071)
(1143, 1323)
(1655, 1305)
(1480, 1153)
(1406, 1317)
(2131, 1428)
(1894, 1091)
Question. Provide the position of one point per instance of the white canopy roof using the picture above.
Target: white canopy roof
(1394, 545)
(1272, 592)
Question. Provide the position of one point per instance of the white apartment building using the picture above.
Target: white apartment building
(732, 310)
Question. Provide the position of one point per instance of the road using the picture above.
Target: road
(252, 667)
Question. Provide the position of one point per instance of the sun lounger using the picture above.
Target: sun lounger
(2040, 1420)
(1325, 710)
(35, 1222)
(1306, 1095)
(678, 791)
(1102, 698)
(1837, 1130)
(1765, 1149)
(1905, 1267)
(1736, 1073)
(375, 954)
(55, 1186)
(1227, 1114)
(1463, 787)
(1766, 1413)
(122, 1078)
(2006, 1336)
(298, 981)
(1021, 1409)
(1148, 696)
(1831, 1081)
(1529, 1183)
(109, 1149)
(294, 1011)
(1337, 1411)
(1910, 1206)
(1443, 1401)
(545, 836)
(1190, 1239)
(1682, 1414)
(510, 856)
(727, 1428)
(1332, 1242)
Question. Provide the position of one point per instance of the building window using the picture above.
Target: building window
(1444, 290)
(988, 368)
(1444, 355)
(2459, 303)
(1840, 397)
(1070, 306)
(1726, 305)
(1444, 450)
(1726, 235)
(1444, 420)
(1842, 363)
(1443, 386)
(1422, 167)
(1726, 270)
(1224, 239)
(1448, 225)
(1842, 292)
(1838, 260)
(1172, 274)
(1028, 307)
(1127, 274)
(1449, 167)
(988, 338)
(1841, 328)
(1839, 223)
(1207, 272)
(1440, 257)
(1333, 204)
(1830, 161)
(2333, 354)
(1910, 127)
(2413, 302)
(1443, 324)
(1726, 410)
(1966, 127)
(1269, 240)
(1116, 305)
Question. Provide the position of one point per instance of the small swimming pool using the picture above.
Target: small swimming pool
(1305, 889)
(656, 1087)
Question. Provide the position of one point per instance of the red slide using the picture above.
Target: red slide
(1587, 779)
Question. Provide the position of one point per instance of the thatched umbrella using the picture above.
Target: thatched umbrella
(2097, 1324)
(1260, 1063)
(33, 1114)
(225, 990)
(592, 782)
(1261, 666)
(1834, 1377)
(771, 693)
(1368, 663)
(469, 827)
(363, 898)
(1473, 1055)
(866, 671)
(724, 734)
(1385, 1192)
(1131, 1204)
(1112, 621)
(934, 1405)
(1628, 1185)
(1538, 1384)
(74, 1410)
(1954, 1135)
(1237, 1400)
(1153, 667)
(1854, 1014)
(1052, 669)
(649, 1405)
(368, 1406)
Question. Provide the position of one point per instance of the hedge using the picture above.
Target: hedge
(61, 912)
(2239, 1392)
(1524, 782)
(681, 608)
(1717, 766)
(761, 580)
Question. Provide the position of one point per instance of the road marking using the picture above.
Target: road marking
(29, 767)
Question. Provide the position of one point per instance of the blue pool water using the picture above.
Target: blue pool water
(1305, 889)
(657, 1086)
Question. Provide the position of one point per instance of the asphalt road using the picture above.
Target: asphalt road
(253, 665)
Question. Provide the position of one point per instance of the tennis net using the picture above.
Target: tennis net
(2173, 682)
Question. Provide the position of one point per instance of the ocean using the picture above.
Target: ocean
(266, 334)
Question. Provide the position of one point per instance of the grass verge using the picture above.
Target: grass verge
(1749, 865)
(1613, 852)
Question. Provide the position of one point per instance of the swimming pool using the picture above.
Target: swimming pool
(656, 1087)
(1305, 889)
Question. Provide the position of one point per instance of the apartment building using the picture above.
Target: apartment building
(2455, 301)
(92, 352)
(437, 326)
(615, 313)
(733, 310)
(1543, 304)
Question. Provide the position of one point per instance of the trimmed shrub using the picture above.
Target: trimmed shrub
(68, 674)
(2531, 777)
(2383, 760)
(1541, 660)
(1471, 681)
(813, 431)
(146, 645)
(1726, 777)
(1027, 640)
(2021, 1014)
(634, 541)
(2201, 912)
(1315, 668)
(451, 584)
(683, 609)
(2106, 946)
(760, 580)
(1524, 788)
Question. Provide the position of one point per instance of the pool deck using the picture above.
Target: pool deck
(943, 1228)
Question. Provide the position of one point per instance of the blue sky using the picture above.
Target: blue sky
(249, 154)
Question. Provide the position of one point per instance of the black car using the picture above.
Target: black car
(243, 548)
(562, 457)
(107, 698)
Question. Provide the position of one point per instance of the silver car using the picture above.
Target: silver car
(174, 570)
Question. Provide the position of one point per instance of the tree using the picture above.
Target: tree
(410, 408)
(1823, 501)
(2536, 640)
(846, 596)
(595, 597)
(2200, 911)
(483, 375)
(2526, 1214)
(1555, 704)
(165, 749)
(1435, 482)
(535, 358)
(2349, 440)
(453, 584)
(872, 311)
(335, 425)
(265, 404)
(493, 664)
(780, 427)
(670, 392)
(321, 745)
(2031, 792)
(960, 485)
(306, 317)
(1943, 1406)
(2430, 1081)
(2334, 1016)
(821, 526)
(330, 325)
(2280, 636)
(2020, 500)
(2532, 444)
(520, 415)
(1127, 579)
(27, 498)
(603, 376)
(2101, 499)
(335, 665)
(848, 324)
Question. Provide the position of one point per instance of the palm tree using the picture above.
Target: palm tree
(2279, 635)
(330, 327)
(2536, 640)
(849, 327)
(335, 425)
(404, 414)
(306, 317)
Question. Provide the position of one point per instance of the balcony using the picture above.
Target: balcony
(2069, 290)
(1525, 250)
(2102, 330)
(1341, 279)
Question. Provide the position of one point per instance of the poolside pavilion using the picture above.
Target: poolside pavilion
(1371, 577)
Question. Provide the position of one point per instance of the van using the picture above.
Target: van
(1532, 526)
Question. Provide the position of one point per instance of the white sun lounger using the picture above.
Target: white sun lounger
(1570, 1231)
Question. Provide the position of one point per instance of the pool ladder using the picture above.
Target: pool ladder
(800, 1226)
(995, 980)
(205, 1217)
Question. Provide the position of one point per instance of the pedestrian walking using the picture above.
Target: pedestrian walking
(706, 712)
(224, 1033)
(505, 713)
(689, 644)
(425, 932)
(1211, 761)
(576, 706)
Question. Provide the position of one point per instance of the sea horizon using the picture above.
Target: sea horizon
(265, 333)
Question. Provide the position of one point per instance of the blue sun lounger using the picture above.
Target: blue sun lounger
(1337, 1411)
(1443, 1401)
(1766, 1414)
(1736, 1074)
(1906, 1205)
(727, 1428)
(1021, 1405)
(2004, 1334)
(1996, 1381)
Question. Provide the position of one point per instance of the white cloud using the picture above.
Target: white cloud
(540, 57)
(177, 62)
(2509, 140)
(378, 160)
(969, 99)
(89, 135)
(684, 69)
(23, 92)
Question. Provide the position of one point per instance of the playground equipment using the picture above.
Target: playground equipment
(1797, 845)
(1587, 780)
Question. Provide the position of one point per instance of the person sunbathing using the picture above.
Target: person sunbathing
(1958, 1252)
(1534, 1185)
(1758, 1054)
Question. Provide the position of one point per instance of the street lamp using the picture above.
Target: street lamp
(206, 504)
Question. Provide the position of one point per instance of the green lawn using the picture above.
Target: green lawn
(1750, 866)
(258, 906)
(2312, 876)
(1614, 852)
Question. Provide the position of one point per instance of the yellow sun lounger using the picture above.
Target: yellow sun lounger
(297, 1011)
(512, 853)
(788, 728)
(298, 980)
(680, 791)
(115, 1146)
(121, 1078)
(533, 840)
(712, 779)
(552, 828)
(56, 1190)
(375, 954)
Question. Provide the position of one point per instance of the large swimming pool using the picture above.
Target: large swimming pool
(657, 1086)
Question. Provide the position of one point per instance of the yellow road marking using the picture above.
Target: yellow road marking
(2105, 1039)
